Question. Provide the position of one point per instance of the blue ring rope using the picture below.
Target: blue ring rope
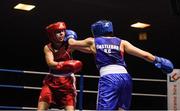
(11, 107)
(12, 86)
(10, 70)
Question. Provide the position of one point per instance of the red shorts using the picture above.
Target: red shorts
(59, 90)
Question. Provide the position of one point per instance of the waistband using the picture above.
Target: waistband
(63, 75)
(60, 74)
(112, 69)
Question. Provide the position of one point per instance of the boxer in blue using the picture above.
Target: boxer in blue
(115, 84)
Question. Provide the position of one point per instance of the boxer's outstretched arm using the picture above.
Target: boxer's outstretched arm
(85, 45)
(162, 63)
(80, 43)
(83, 49)
(130, 49)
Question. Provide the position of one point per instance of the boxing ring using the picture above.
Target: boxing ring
(80, 88)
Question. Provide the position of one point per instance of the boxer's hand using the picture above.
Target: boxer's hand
(70, 34)
(164, 64)
(69, 66)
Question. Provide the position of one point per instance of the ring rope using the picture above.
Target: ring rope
(25, 108)
(88, 76)
(150, 80)
(28, 108)
(81, 87)
(85, 91)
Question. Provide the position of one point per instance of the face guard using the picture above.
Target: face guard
(54, 28)
(102, 27)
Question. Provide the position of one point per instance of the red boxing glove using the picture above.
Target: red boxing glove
(69, 66)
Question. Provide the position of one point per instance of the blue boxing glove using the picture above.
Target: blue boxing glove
(70, 34)
(164, 64)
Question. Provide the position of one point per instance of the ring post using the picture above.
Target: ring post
(81, 92)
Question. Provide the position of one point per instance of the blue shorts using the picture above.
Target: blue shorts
(114, 92)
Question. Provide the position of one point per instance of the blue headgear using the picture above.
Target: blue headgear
(101, 27)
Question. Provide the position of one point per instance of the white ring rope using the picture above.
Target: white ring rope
(84, 91)
(35, 72)
(150, 80)
(88, 76)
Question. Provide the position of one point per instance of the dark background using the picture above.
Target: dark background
(23, 37)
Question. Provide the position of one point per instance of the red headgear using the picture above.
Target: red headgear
(52, 28)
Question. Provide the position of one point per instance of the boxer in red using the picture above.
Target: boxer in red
(59, 86)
